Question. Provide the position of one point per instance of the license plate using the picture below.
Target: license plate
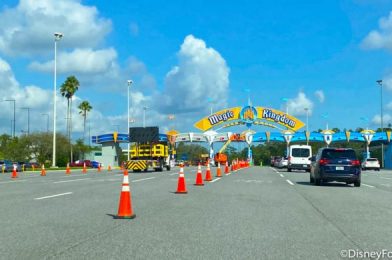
(339, 168)
(305, 165)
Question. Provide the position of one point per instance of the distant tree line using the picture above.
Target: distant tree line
(38, 147)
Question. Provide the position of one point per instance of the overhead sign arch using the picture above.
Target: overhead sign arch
(249, 115)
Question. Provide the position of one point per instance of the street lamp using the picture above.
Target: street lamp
(129, 86)
(382, 125)
(47, 122)
(28, 119)
(210, 100)
(13, 132)
(118, 127)
(57, 37)
(307, 123)
(144, 116)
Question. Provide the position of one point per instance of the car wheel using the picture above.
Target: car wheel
(357, 183)
(289, 169)
(317, 182)
(311, 180)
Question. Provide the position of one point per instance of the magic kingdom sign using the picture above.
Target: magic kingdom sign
(249, 115)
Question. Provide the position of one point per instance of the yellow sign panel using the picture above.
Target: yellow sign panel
(115, 135)
(249, 115)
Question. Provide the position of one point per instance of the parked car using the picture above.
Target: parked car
(94, 164)
(335, 164)
(9, 166)
(273, 158)
(371, 164)
(277, 160)
(283, 162)
(299, 157)
(80, 163)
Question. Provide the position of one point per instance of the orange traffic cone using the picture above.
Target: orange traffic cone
(43, 171)
(84, 168)
(68, 170)
(199, 177)
(14, 173)
(218, 171)
(99, 167)
(109, 168)
(125, 205)
(181, 187)
(208, 173)
(227, 168)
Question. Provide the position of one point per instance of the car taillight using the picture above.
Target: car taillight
(355, 163)
(324, 161)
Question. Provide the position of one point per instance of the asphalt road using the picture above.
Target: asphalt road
(254, 213)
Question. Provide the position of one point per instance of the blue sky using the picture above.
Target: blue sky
(325, 55)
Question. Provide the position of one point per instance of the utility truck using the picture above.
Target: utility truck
(149, 149)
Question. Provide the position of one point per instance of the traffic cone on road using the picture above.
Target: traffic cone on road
(84, 168)
(14, 173)
(208, 173)
(218, 171)
(199, 177)
(99, 167)
(109, 168)
(227, 168)
(181, 186)
(43, 171)
(125, 206)
(68, 170)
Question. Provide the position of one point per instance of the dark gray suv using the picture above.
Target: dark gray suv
(335, 164)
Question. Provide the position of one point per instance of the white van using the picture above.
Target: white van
(299, 157)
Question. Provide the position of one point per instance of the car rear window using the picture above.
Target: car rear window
(336, 154)
(372, 160)
(300, 152)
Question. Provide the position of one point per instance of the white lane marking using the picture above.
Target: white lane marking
(214, 180)
(72, 175)
(11, 181)
(52, 196)
(144, 179)
(281, 175)
(173, 173)
(370, 186)
(274, 169)
(386, 178)
(290, 182)
(228, 173)
(72, 180)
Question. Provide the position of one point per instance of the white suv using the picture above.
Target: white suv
(371, 163)
(299, 157)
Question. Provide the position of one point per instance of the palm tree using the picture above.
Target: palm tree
(84, 108)
(67, 90)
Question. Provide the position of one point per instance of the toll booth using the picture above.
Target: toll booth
(111, 150)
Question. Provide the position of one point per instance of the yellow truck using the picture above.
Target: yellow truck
(145, 156)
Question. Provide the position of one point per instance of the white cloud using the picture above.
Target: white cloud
(28, 28)
(201, 73)
(296, 106)
(387, 82)
(81, 61)
(381, 38)
(320, 95)
(389, 106)
(386, 120)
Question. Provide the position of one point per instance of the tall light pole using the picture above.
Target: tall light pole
(47, 122)
(129, 86)
(13, 131)
(144, 116)
(28, 119)
(57, 37)
(382, 125)
(210, 100)
(307, 123)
